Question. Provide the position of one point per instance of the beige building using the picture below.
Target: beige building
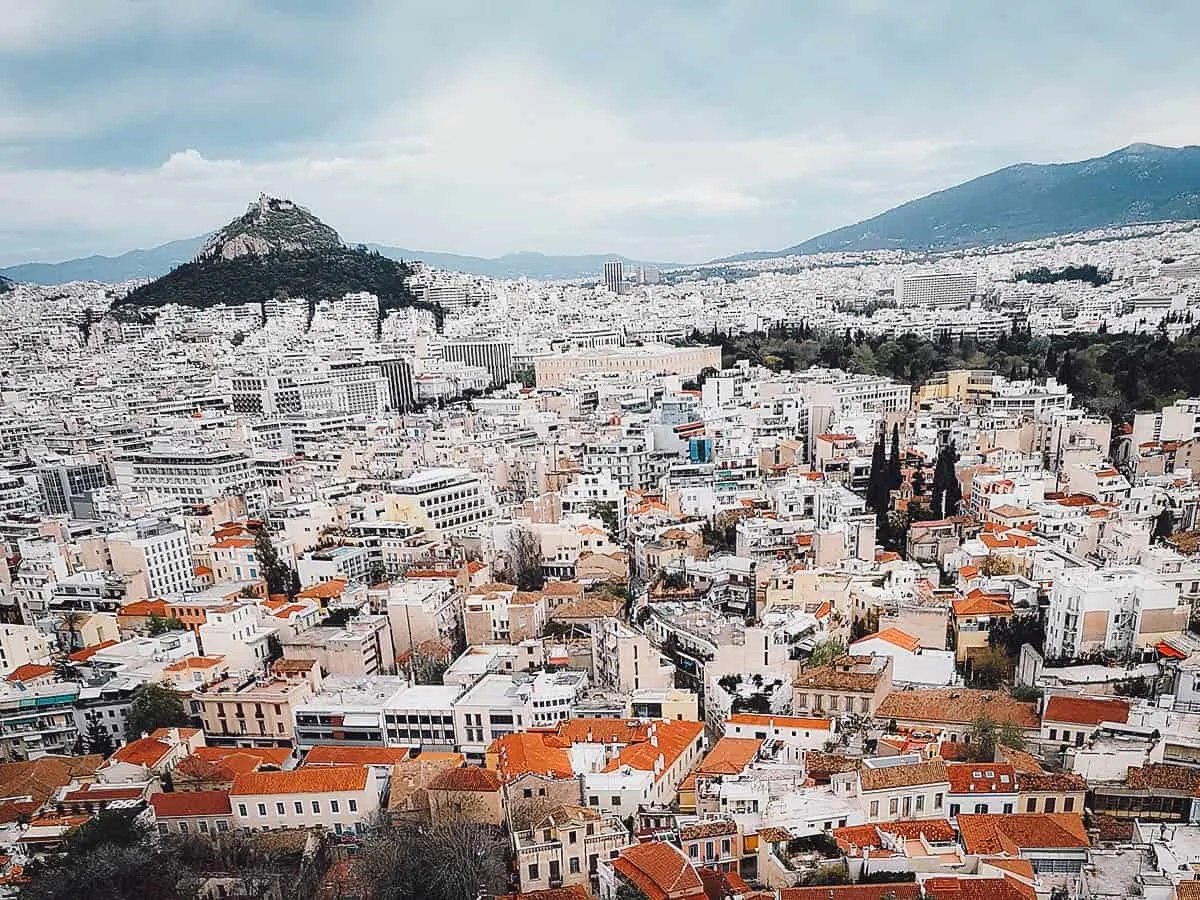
(258, 712)
(655, 359)
(564, 848)
(891, 791)
(363, 646)
(342, 799)
(466, 794)
(626, 661)
(21, 644)
(850, 684)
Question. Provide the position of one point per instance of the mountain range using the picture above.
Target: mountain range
(1138, 183)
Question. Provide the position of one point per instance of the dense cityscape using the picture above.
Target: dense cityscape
(606, 587)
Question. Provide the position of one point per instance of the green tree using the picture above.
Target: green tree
(1164, 526)
(982, 739)
(157, 625)
(99, 739)
(154, 706)
(878, 492)
(895, 478)
(1011, 736)
(827, 651)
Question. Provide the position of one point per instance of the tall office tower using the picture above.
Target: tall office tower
(614, 277)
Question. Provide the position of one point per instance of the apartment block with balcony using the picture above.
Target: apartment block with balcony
(565, 847)
(257, 711)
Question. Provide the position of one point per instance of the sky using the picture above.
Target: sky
(667, 131)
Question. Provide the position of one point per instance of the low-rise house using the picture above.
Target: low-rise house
(848, 685)
(660, 871)
(1050, 792)
(344, 799)
(983, 787)
(955, 710)
(1053, 844)
(902, 787)
(191, 812)
(972, 620)
(214, 768)
(788, 737)
(1158, 792)
(155, 754)
(713, 844)
(1070, 719)
(466, 794)
(564, 848)
(408, 794)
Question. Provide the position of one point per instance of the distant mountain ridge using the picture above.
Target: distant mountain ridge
(157, 261)
(1027, 201)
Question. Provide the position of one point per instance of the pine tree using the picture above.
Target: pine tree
(877, 484)
(947, 493)
(895, 479)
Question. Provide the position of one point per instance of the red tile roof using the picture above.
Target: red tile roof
(899, 891)
(958, 706)
(183, 804)
(531, 752)
(982, 778)
(29, 672)
(147, 752)
(894, 636)
(945, 887)
(88, 652)
(729, 756)
(1085, 710)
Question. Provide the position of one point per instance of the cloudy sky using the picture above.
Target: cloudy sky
(670, 131)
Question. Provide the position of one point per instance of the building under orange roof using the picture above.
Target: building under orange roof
(29, 672)
(304, 780)
(895, 637)
(145, 608)
(88, 652)
(334, 755)
(977, 603)
(729, 756)
(325, 590)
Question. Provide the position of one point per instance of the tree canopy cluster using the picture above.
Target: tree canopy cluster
(1089, 273)
(326, 273)
(1110, 374)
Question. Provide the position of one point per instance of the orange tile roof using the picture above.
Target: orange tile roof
(288, 610)
(531, 752)
(896, 637)
(183, 804)
(325, 590)
(148, 752)
(144, 608)
(244, 759)
(988, 834)
(334, 755)
(869, 837)
(672, 739)
(304, 780)
(946, 887)
(1085, 710)
(729, 756)
(660, 870)
(931, 771)
(28, 672)
(233, 543)
(194, 662)
(467, 778)
(88, 652)
(977, 603)
(201, 571)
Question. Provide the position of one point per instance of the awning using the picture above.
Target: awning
(360, 720)
(1165, 649)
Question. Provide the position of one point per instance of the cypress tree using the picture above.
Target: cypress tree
(895, 479)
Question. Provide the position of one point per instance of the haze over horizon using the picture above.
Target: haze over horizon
(674, 133)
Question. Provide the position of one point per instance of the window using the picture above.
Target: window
(183, 827)
(334, 806)
(874, 809)
(162, 827)
(1053, 734)
(279, 809)
(1031, 805)
(1008, 808)
(203, 827)
(937, 801)
(954, 809)
(316, 806)
(262, 809)
(893, 806)
(616, 800)
(533, 871)
(920, 802)
(528, 792)
(593, 800)
(353, 805)
(693, 850)
(1068, 804)
(242, 810)
(981, 808)
(299, 808)
(1050, 803)
(573, 865)
(572, 837)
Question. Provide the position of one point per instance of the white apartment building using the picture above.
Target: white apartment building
(494, 356)
(447, 500)
(1113, 609)
(936, 289)
(347, 711)
(237, 633)
(158, 551)
(504, 704)
(191, 475)
(628, 462)
(422, 716)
